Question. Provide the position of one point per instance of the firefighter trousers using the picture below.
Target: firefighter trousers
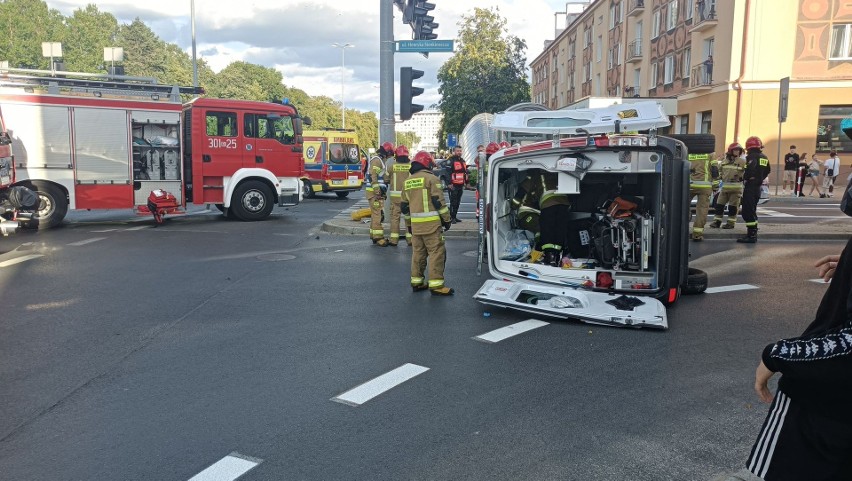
(554, 233)
(731, 198)
(751, 194)
(395, 216)
(376, 230)
(702, 208)
(428, 247)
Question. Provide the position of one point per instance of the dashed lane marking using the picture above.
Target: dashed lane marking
(103, 231)
(228, 468)
(738, 287)
(370, 389)
(510, 331)
(820, 281)
(18, 260)
(773, 213)
(139, 228)
(87, 241)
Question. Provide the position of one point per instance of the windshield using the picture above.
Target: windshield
(343, 153)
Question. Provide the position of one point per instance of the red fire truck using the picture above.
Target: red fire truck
(82, 142)
(14, 200)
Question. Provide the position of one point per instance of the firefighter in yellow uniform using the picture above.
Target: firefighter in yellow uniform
(731, 171)
(703, 180)
(375, 192)
(396, 173)
(540, 188)
(425, 212)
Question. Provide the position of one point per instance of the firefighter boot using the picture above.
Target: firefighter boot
(750, 237)
(729, 225)
(716, 223)
(419, 287)
(381, 242)
(443, 291)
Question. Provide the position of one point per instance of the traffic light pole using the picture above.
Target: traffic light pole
(387, 122)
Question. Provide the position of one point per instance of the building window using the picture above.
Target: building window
(610, 58)
(705, 118)
(668, 69)
(655, 27)
(688, 10)
(683, 124)
(655, 74)
(671, 18)
(618, 55)
(588, 37)
(637, 81)
(614, 15)
(598, 84)
(599, 48)
(687, 62)
(841, 42)
(829, 135)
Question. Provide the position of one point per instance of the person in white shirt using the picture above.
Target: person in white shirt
(832, 168)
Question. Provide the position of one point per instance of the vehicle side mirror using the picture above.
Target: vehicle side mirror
(297, 126)
(5, 139)
(307, 121)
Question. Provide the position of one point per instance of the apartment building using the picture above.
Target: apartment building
(426, 125)
(721, 59)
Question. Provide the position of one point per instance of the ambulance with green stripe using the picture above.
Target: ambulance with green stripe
(332, 162)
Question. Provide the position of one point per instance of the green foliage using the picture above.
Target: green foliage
(486, 74)
(25, 25)
(407, 139)
(88, 32)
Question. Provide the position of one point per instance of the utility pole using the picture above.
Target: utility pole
(194, 61)
(387, 122)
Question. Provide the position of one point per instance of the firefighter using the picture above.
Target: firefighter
(375, 192)
(458, 181)
(731, 172)
(539, 188)
(757, 168)
(396, 173)
(425, 213)
(703, 180)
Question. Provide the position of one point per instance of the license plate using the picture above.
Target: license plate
(353, 179)
(338, 182)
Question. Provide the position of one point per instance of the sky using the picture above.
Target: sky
(295, 37)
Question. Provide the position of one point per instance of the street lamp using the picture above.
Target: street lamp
(342, 48)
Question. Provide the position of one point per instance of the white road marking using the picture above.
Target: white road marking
(228, 468)
(138, 228)
(370, 389)
(773, 213)
(87, 241)
(18, 260)
(509, 331)
(738, 287)
(820, 281)
(102, 231)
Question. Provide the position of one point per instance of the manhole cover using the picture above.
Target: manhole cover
(276, 257)
(471, 254)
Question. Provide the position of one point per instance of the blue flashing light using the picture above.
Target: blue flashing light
(286, 101)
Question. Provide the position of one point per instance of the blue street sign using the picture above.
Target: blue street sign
(452, 140)
(419, 46)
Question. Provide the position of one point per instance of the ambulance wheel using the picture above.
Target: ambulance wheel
(697, 143)
(342, 195)
(252, 201)
(52, 206)
(696, 282)
(307, 190)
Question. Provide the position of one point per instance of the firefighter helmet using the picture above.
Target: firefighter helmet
(423, 158)
(504, 145)
(402, 151)
(754, 142)
(528, 218)
(386, 150)
(492, 148)
(733, 147)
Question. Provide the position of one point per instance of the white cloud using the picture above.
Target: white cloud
(295, 36)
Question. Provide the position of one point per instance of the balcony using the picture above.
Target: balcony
(634, 51)
(636, 7)
(705, 16)
(702, 76)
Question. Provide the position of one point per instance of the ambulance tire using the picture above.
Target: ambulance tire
(697, 143)
(342, 195)
(307, 190)
(52, 206)
(252, 201)
(696, 282)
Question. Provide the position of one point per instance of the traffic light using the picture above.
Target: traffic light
(407, 92)
(424, 24)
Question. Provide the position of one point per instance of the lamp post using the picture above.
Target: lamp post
(194, 59)
(342, 48)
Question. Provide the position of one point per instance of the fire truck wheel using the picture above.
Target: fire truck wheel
(52, 207)
(696, 282)
(252, 201)
(308, 190)
(342, 195)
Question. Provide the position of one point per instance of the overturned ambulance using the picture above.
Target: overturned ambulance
(591, 224)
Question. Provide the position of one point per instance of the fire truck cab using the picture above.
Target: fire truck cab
(84, 143)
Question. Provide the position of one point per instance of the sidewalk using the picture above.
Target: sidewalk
(834, 229)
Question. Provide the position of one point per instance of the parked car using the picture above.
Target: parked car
(443, 169)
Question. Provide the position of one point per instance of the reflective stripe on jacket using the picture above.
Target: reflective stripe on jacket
(423, 200)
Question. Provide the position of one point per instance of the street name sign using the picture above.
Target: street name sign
(420, 46)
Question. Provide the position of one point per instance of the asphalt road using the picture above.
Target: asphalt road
(209, 346)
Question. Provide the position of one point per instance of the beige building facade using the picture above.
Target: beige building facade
(721, 59)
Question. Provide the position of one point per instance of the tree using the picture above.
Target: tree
(409, 139)
(25, 25)
(247, 81)
(88, 32)
(486, 74)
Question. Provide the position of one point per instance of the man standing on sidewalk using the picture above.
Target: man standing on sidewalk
(458, 181)
(832, 167)
(791, 166)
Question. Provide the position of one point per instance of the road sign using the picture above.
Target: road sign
(452, 140)
(419, 46)
(783, 99)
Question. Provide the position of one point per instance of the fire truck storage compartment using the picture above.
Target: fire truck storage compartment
(620, 244)
(156, 154)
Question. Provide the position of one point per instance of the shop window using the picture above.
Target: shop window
(829, 133)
